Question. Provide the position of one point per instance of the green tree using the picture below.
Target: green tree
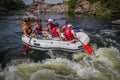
(11, 5)
(92, 1)
(71, 7)
(114, 5)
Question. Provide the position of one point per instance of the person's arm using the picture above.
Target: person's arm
(74, 34)
(58, 30)
(49, 29)
(24, 31)
(63, 27)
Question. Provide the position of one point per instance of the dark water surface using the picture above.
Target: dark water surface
(100, 30)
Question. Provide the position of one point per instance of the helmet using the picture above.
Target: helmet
(27, 20)
(39, 20)
(66, 22)
(69, 25)
(56, 24)
(50, 20)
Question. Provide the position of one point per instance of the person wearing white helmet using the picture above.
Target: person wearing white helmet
(50, 25)
(50, 20)
(69, 25)
(69, 33)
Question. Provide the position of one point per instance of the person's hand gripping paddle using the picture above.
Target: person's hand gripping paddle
(27, 47)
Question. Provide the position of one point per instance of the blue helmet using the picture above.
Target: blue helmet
(39, 20)
(56, 24)
(27, 20)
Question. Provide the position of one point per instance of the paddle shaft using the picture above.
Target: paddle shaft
(27, 45)
(80, 41)
(31, 36)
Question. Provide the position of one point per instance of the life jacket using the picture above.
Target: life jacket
(39, 27)
(68, 34)
(50, 25)
(28, 28)
(54, 32)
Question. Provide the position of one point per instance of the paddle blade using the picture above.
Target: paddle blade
(88, 49)
(27, 48)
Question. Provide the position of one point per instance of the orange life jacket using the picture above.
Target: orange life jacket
(28, 28)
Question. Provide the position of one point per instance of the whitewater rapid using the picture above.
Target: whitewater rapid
(104, 64)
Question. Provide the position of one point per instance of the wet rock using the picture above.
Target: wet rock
(59, 8)
(116, 22)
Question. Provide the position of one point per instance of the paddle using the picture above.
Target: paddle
(86, 47)
(28, 45)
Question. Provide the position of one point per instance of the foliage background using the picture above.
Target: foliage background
(7, 5)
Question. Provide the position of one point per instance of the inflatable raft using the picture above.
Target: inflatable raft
(41, 44)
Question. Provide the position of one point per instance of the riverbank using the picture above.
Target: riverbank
(81, 7)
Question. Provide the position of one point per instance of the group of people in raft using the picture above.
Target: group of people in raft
(52, 29)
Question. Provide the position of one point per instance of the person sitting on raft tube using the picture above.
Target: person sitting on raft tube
(69, 34)
(38, 26)
(45, 34)
(65, 25)
(56, 35)
(26, 27)
(50, 25)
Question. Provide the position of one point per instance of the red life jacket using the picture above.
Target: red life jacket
(54, 32)
(50, 25)
(68, 34)
(39, 27)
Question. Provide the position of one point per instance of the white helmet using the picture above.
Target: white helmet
(50, 20)
(69, 25)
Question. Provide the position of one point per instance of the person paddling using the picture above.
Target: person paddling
(38, 29)
(69, 34)
(65, 25)
(50, 25)
(56, 35)
(26, 27)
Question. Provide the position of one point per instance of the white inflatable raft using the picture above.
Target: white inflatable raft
(40, 44)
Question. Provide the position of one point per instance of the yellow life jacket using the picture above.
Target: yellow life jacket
(28, 30)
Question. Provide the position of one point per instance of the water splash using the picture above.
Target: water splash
(103, 65)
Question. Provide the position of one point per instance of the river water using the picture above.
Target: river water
(104, 64)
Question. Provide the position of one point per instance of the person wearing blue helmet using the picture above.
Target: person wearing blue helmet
(26, 27)
(56, 35)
